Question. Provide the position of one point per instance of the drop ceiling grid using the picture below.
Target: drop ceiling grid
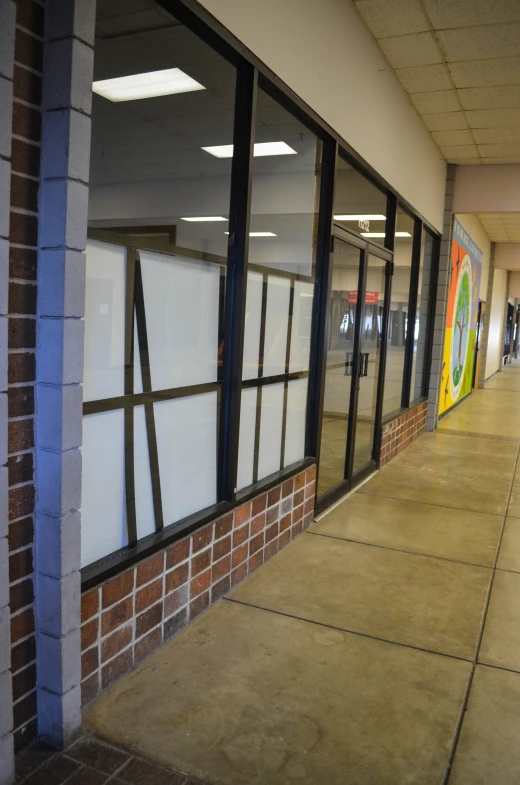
(460, 64)
(501, 227)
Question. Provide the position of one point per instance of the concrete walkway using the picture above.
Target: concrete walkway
(382, 647)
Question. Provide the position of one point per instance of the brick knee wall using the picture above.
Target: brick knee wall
(399, 433)
(129, 616)
(23, 241)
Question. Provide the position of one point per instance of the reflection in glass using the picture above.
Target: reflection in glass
(359, 206)
(398, 316)
(280, 292)
(370, 350)
(156, 263)
(345, 263)
(421, 319)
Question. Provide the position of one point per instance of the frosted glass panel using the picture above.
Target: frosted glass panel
(270, 430)
(103, 511)
(182, 304)
(276, 319)
(252, 325)
(187, 446)
(295, 423)
(144, 512)
(301, 326)
(104, 321)
(246, 445)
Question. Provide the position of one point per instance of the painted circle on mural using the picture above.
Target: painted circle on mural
(460, 328)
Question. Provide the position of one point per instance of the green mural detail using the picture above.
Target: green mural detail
(461, 325)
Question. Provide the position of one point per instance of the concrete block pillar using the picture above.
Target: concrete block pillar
(7, 36)
(441, 303)
(67, 97)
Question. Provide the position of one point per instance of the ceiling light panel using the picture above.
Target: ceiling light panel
(360, 217)
(260, 150)
(382, 234)
(204, 218)
(148, 85)
(260, 234)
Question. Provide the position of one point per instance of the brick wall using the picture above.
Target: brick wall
(23, 240)
(399, 433)
(129, 616)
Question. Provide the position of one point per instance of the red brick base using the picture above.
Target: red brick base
(399, 433)
(129, 616)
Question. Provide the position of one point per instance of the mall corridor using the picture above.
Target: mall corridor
(381, 648)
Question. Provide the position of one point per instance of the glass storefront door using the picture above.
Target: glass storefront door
(352, 389)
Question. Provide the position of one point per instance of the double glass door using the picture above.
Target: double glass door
(352, 391)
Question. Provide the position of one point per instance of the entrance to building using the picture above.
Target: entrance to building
(353, 388)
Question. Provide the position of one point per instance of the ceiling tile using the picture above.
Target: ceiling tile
(497, 135)
(479, 43)
(460, 151)
(488, 118)
(503, 97)
(406, 51)
(439, 101)
(445, 121)
(465, 13)
(452, 137)
(512, 160)
(392, 17)
(423, 78)
(486, 73)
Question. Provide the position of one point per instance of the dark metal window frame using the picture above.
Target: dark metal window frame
(251, 73)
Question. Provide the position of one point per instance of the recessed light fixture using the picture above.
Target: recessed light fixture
(260, 234)
(204, 218)
(360, 217)
(259, 150)
(148, 85)
(382, 234)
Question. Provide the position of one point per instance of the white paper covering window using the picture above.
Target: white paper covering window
(103, 513)
(187, 447)
(295, 423)
(182, 302)
(246, 448)
(301, 326)
(252, 325)
(270, 430)
(276, 320)
(104, 321)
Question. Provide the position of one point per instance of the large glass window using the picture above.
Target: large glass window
(280, 290)
(398, 314)
(421, 326)
(163, 108)
(359, 206)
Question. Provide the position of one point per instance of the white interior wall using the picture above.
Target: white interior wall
(507, 256)
(496, 321)
(487, 189)
(514, 284)
(324, 52)
(476, 231)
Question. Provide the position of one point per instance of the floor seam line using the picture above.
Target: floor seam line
(348, 631)
(400, 550)
(475, 662)
(430, 504)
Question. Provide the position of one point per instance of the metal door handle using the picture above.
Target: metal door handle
(363, 364)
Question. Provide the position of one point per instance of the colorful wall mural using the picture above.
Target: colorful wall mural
(461, 318)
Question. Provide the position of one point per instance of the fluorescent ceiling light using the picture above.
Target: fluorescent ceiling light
(382, 234)
(259, 150)
(148, 85)
(260, 234)
(360, 217)
(197, 218)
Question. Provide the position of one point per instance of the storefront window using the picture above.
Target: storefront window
(398, 315)
(280, 291)
(359, 206)
(163, 107)
(421, 318)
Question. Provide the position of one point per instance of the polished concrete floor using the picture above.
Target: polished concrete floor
(382, 647)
